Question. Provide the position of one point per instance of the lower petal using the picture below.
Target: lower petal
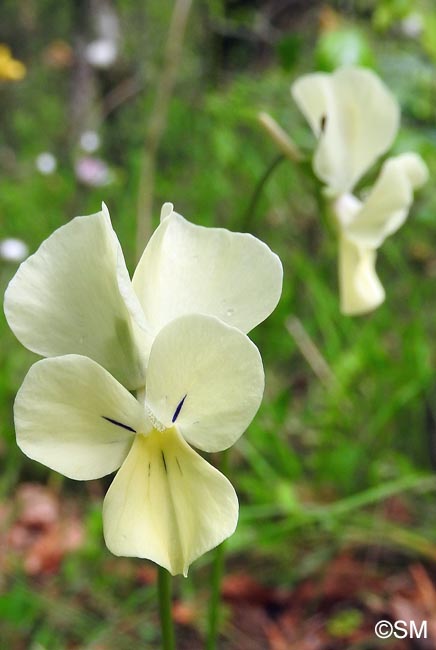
(167, 504)
(360, 288)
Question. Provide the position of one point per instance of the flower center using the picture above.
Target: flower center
(155, 422)
(153, 419)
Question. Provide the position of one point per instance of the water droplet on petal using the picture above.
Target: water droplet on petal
(230, 312)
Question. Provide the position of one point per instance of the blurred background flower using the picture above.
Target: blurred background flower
(94, 172)
(46, 163)
(89, 141)
(102, 52)
(10, 69)
(13, 250)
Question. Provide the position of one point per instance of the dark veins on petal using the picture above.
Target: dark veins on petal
(178, 409)
(119, 424)
(323, 123)
(164, 462)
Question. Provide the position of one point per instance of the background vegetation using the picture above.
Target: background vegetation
(336, 474)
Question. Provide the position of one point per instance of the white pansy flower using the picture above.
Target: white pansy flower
(175, 334)
(74, 295)
(167, 504)
(356, 118)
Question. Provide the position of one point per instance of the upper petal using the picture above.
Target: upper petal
(207, 378)
(355, 118)
(74, 295)
(192, 269)
(359, 287)
(167, 504)
(388, 203)
(74, 417)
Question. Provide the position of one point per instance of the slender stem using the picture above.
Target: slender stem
(280, 137)
(158, 119)
(166, 620)
(215, 597)
(288, 150)
(251, 210)
(216, 579)
(310, 352)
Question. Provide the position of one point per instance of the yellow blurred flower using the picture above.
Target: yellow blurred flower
(10, 69)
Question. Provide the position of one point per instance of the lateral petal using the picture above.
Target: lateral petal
(74, 417)
(192, 269)
(206, 378)
(167, 504)
(74, 295)
(388, 204)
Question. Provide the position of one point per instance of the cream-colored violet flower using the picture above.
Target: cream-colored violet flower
(175, 336)
(74, 295)
(356, 118)
(167, 504)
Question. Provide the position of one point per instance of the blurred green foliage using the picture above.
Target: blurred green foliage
(320, 459)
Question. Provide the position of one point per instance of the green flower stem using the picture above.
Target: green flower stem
(216, 579)
(166, 619)
(289, 150)
(248, 217)
(215, 597)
